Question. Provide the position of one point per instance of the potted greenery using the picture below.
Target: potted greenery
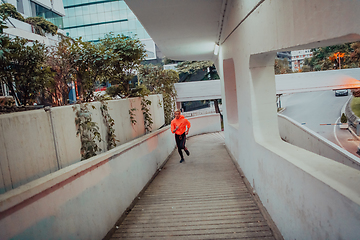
(344, 124)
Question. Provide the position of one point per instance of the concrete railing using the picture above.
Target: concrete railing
(306, 195)
(353, 120)
(298, 135)
(85, 200)
(25, 30)
(36, 143)
(205, 124)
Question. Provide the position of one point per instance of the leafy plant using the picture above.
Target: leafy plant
(91, 62)
(109, 123)
(159, 81)
(42, 25)
(323, 57)
(145, 103)
(125, 55)
(9, 10)
(132, 116)
(88, 131)
(7, 101)
(23, 69)
(282, 66)
(61, 62)
(192, 67)
(343, 118)
(2, 24)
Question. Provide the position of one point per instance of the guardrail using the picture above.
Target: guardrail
(301, 136)
(36, 143)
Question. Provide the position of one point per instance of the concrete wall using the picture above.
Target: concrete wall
(198, 90)
(36, 143)
(27, 148)
(303, 137)
(285, 83)
(85, 199)
(204, 124)
(318, 81)
(308, 196)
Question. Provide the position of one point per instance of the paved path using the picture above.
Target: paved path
(203, 198)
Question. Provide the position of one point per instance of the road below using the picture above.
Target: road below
(313, 109)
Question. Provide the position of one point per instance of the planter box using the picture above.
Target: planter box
(344, 126)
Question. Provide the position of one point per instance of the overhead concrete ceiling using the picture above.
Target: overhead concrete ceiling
(182, 29)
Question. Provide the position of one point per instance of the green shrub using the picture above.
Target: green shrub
(9, 10)
(343, 118)
(39, 22)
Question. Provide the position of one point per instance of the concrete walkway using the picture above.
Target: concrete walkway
(203, 198)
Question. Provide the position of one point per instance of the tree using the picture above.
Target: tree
(125, 55)
(2, 36)
(355, 55)
(336, 58)
(62, 62)
(90, 65)
(323, 57)
(282, 66)
(191, 67)
(159, 81)
(306, 65)
(22, 69)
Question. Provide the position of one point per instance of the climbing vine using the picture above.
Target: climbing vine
(159, 81)
(145, 103)
(88, 131)
(42, 26)
(109, 123)
(132, 116)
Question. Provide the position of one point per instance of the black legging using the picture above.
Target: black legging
(180, 143)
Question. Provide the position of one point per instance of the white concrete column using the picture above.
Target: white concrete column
(302, 191)
(178, 105)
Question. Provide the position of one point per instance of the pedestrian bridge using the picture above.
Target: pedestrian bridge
(204, 198)
(139, 190)
(285, 83)
(310, 192)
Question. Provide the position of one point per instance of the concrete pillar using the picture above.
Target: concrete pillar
(253, 32)
(178, 105)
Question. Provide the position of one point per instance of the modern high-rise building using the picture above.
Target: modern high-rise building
(92, 19)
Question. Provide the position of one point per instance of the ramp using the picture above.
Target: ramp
(203, 198)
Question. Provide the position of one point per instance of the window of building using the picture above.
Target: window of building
(20, 6)
(40, 11)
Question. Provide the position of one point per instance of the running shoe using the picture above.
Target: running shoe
(187, 152)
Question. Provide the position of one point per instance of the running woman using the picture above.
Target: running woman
(178, 126)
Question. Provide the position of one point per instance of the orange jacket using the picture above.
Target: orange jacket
(182, 122)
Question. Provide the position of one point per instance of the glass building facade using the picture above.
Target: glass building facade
(92, 19)
(49, 15)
